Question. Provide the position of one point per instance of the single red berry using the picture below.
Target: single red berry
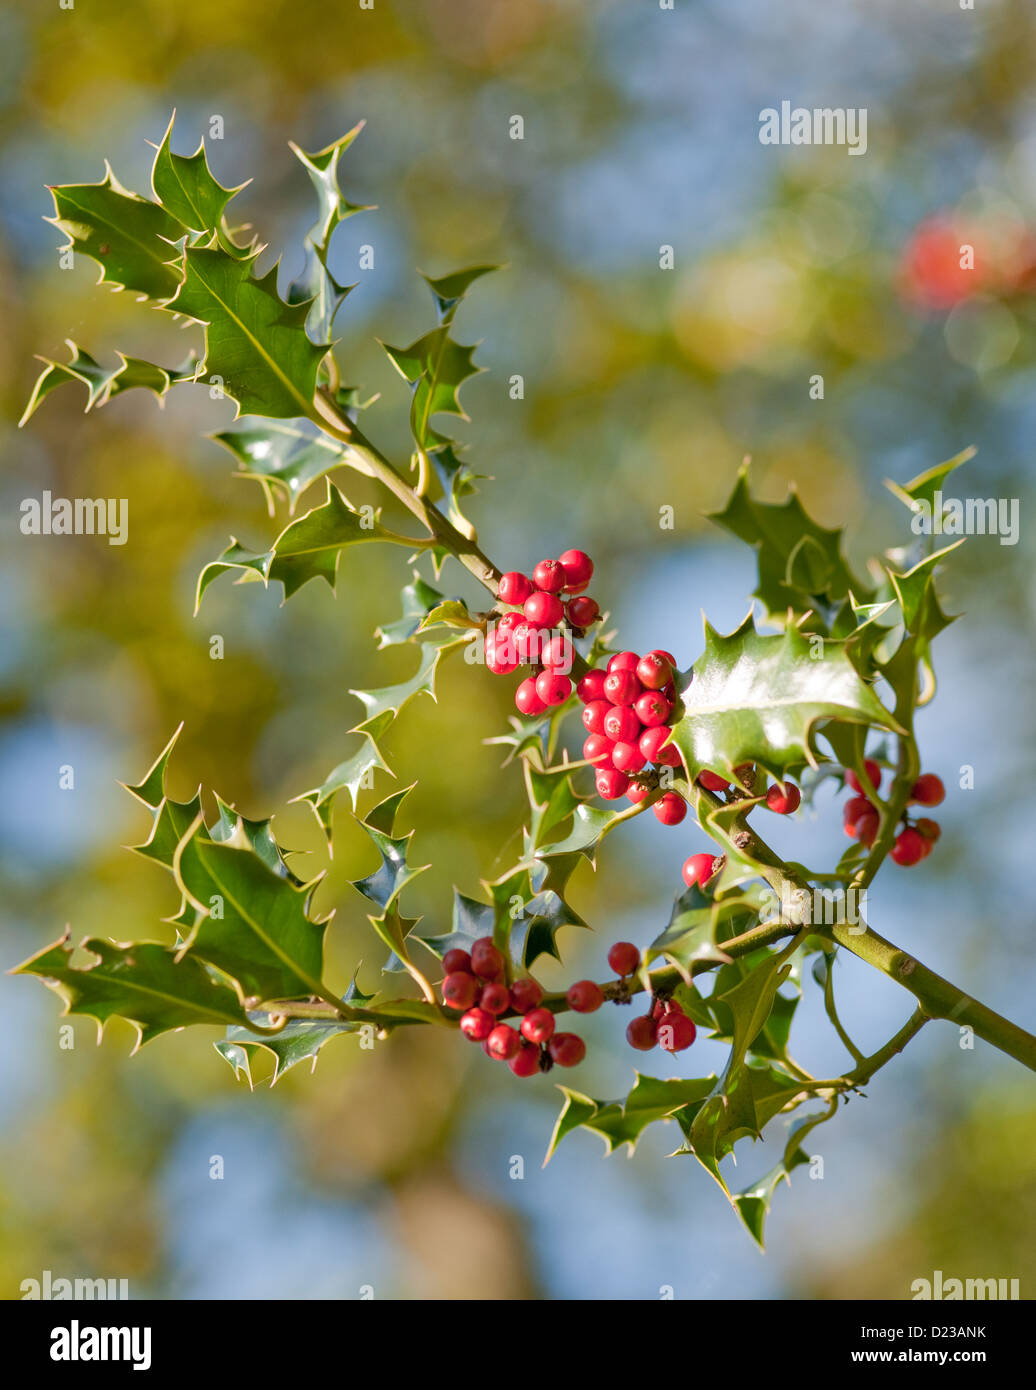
(624, 958)
(698, 869)
(583, 610)
(642, 1033)
(496, 997)
(610, 783)
(598, 750)
(930, 829)
(514, 587)
(627, 757)
(584, 997)
(477, 1024)
(594, 712)
(676, 1031)
(525, 995)
(543, 609)
(712, 782)
(526, 1061)
(654, 747)
(503, 1042)
(486, 961)
(853, 809)
(501, 656)
(621, 687)
(591, 686)
(526, 641)
(553, 688)
(623, 661)
(636, 792)
(526, 697)
(783, 800)
(619, 723)
(652, 708)
(557, 652)
(654, 671)
(459, 990)
(670, 809)
(928, 790)
(866, 828)
(507, 622)
(872, 770)
(538, 1025)
(661, 651)
(456, 960)
(567, 1049)
(579, 569)
(549, 575)
(910, 847)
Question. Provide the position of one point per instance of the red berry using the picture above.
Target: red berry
(591, 686)
(866, 828)
(676, 1031)
(627, 757)
(872, 770)
(459, 990)
(456, 960)
(910, 847)
(610, 783)
(584, 997)
(619, 723)
(496, 997)
(507, 622)
(624, 958)
(486, 960)
(651, 745)
(698, 869)
(670, 809)
(557, 652)
(538, 1025)
(525, 995)
(501, 656)
(661, 651)
(712, 782)
(526, 641)
(636, 792)
(567, 1049)
(549, 575)
(526, 697)
(594, 712)
(579, 568)
(598, 750)
(583, 611)
(785, 800)
(514, 587)
(526, 1061)
(621, 687)
(928, 790)
(654, 671)
(543, 609)
(477, 1024)
(642, 1033)
(503, 1042)
(623, 661)
(652, 708)
(930, 829)
(553, 688)
(853, 809)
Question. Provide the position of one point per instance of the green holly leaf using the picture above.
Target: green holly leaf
(142, 982)
(133, 240)
(435, 367)
(419, 599)
(322, 168)
(283, 456)
(693, 932)
(552, 799)
(150, 791)
(756, 698)
(356, 772)
(923, 488)
(915, 591)
(623, 1122)
(471, 920)
(384, 886)
(393, 698)
(255, 343)
(456, 480)
(186, 188)
(449, 290)
(102, 383)
(300, 1040)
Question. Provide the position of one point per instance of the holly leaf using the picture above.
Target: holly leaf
(133, 240)
(102, 383)
(393, 698)
(322, 168)
(920, 491)
(186, 188)
(384, 886)
(419, 599)
(356, 772)
(692, 934)
(434, 367)
(255, 343)
(756, 698)
(623, 1122)
(284, 457)
(143, 982)
(471, 920)
(300, 1040)
(449, 290)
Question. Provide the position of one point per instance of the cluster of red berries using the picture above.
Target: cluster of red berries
(531, 633)
(915, 840)
(627, 711)
(475, 983)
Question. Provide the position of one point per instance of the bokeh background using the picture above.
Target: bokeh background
(643, 388)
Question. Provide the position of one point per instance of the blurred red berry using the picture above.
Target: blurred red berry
(584, 997)
(624, 958)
